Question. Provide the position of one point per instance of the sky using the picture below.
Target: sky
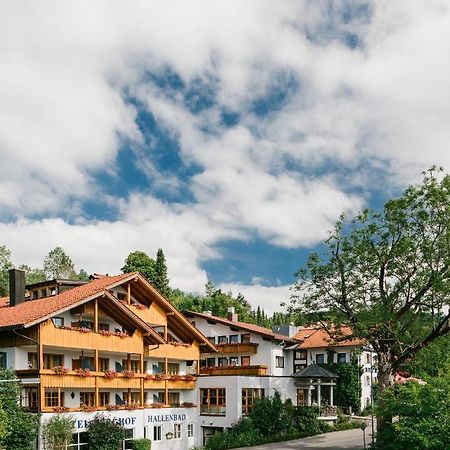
(230, 134)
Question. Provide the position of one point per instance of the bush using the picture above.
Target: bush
(306, 421)
(57, 432)
(104, 434)
(418, 416)
(142, 444)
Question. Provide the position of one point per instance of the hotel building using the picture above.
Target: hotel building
(113, 345)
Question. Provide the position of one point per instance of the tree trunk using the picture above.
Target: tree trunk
(385, 379)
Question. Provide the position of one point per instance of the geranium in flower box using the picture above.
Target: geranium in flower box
(128, 373)
(60, 370)
(110, 374)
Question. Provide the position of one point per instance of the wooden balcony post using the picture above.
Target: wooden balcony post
(128, 293)
(59, 396)
(128, 361)
(96, 364)
(96, 395)
(142, 379)
(96, 315)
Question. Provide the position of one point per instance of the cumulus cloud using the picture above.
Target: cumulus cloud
(326, 97)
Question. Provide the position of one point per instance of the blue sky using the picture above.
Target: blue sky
(231, 134)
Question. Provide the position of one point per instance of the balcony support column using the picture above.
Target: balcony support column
(96, 315)
(129, 293)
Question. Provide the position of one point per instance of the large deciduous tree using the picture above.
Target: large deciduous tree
(57, 264)
(387, 275)
(140, 262)
(5, 265)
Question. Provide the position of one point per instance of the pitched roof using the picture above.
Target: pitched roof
(267, 332)
(314, 371)
(318, 337)
(34, 311)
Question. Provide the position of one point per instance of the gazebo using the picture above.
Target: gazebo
(314, 378)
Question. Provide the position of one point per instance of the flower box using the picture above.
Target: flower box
(110, 374)
(128, 373)
(83, 372)
(60, 370)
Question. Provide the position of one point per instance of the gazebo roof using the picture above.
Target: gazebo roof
(314, 371)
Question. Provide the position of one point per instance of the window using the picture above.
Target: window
(174, 398)
(368, 358)
(212, 339)
(173, 368)
(190, 430)
(210, 362)
(103, 398)
(248, 397)
(177, 430)
(222, 340)
(279, 361)
(234, 339)
(87, 399)
(341, 357)
(213, 402)
(32, 360)
(58, 322)
(131, 397)
(103, 326)
(3, 360)
(298, 367)
(300, 354)
(79, 441)
(127, 443)
(29, 398)
(103, 364)
(223, 362)
(320, 358)
(301, 397)
(88, 362)
(135, 365)
(161, 398)
(245, 338)
(52, 398)
(52, 361)
(245, 360)
(157, 432)
(234, 360)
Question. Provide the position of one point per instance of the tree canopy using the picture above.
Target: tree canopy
(57, 264)
(139, 261)
(5, 265)
(161, 279)
(386, 275)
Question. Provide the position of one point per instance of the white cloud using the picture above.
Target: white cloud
(381, 107)
(267, 297)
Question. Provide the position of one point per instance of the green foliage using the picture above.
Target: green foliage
(305, 421)
(5, 265)
(4, 426)
(421, 416)
(104, 434)
(32, 276)
(269, 415)
(142, 444)
(161, 280)
(22, 426)
(82, 275)
(386, 275)
(348, 389)
(59, 265)
(57, 432)
(140, 262)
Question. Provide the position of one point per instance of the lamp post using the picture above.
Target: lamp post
(372, 437)
(363, 428)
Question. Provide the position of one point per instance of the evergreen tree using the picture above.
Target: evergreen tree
(161, 280)
(5, 265)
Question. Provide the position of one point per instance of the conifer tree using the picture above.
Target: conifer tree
(161, 280)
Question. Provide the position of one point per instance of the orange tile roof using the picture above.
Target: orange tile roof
(316, 337)
(243, 325)
(33, 311)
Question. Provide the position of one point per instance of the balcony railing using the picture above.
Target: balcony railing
(254, 370)
(238, 347)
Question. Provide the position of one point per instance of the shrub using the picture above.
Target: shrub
(418, 416)
(306, 421)
(57, 432)
(104, 434)
(142, 444)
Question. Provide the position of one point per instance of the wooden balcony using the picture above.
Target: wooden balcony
(71, 379)
(249, 348)
(62, 337)
(256, 370)
(173, 351)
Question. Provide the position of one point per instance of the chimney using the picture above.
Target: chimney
(232, 315)
(286, 330)
(16, 287)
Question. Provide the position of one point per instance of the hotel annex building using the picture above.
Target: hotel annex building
(116, 346)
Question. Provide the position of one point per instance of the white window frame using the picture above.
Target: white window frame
(157, 433)
(190, 430)
(177, 430)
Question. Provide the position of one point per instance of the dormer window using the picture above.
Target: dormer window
(245, 338)
(58, 322)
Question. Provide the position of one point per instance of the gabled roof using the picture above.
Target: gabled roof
(31, 312)
(314, 371)
(318, 337)
(266, 332)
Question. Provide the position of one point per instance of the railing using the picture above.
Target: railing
(238, 347)
(255, 370)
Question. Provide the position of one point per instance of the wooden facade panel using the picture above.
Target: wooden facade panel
(173, 352)
(60, 337)
(118, 383)
(67, 381)
(180, 385)
(247, 348)
(11, 339)
(153, 315)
